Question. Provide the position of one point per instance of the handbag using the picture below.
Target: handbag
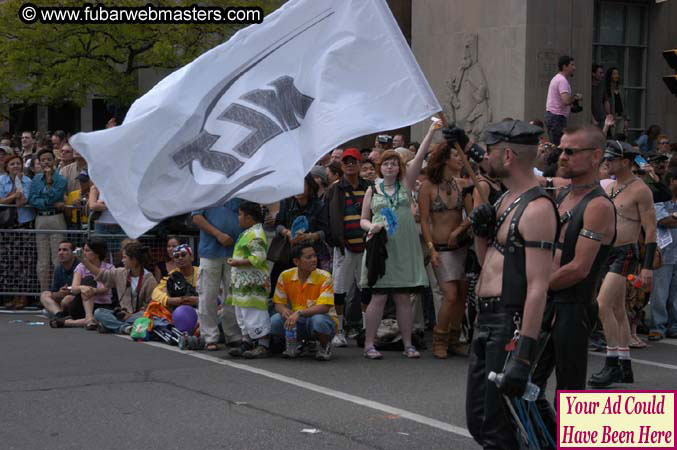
(279, 250)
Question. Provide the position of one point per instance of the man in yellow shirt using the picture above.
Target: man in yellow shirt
(76, 201)
(304, 299)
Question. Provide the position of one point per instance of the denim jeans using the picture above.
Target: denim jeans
(106, 318)
(306, 327)
(664, 299)
(555, 125)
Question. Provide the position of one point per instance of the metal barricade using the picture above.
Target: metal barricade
(20, 272)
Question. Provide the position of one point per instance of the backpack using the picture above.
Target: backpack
(178, 286)
(141, 329)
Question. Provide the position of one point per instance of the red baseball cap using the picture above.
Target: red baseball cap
(353, 153)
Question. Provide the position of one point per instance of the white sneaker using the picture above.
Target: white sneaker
(339, 340)
(323, 353)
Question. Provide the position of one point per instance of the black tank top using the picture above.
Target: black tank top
(514, 286)
(585, 290)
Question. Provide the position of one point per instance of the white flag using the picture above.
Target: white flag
(250, 117)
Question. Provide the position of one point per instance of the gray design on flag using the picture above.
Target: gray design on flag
(154, 196)
(285, 103)
(199, 149)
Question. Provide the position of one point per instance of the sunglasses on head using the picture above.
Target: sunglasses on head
(572, 151)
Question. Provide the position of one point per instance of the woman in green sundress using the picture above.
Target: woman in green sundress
(388, 205)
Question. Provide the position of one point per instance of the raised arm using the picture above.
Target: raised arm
(414, 169)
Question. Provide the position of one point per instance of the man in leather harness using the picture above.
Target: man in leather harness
(515, 240)
(588, 231)
(634, 210)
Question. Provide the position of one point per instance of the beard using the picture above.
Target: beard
(569, 173)
(498, 172)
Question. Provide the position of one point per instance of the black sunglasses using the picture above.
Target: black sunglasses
(572, 151)
(182, 254)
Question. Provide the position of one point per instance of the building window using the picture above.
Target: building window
(620, 40)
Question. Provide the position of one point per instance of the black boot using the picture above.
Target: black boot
(626, 368)
(610, 373)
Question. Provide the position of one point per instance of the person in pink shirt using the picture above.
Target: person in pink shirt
(560, 99)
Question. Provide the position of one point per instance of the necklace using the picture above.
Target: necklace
(392, 200)
(615, 193)
(449, 185)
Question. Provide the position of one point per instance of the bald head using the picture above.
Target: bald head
(590, 135)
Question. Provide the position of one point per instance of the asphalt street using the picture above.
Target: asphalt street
(77, 389)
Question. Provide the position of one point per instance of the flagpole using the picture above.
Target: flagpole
(464, 158)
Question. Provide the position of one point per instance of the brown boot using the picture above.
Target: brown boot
(440, 343)
(456, 347)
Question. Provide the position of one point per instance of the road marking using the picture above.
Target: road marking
(666, 341)
(321, 390)
(642, 361)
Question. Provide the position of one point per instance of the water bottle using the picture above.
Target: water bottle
(291, 344)
(530, 392)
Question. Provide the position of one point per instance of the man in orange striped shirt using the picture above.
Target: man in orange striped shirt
(304, 299)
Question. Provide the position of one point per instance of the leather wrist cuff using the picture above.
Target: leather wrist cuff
(649, 254)
(526, 348)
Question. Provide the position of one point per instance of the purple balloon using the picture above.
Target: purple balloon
(185, 318)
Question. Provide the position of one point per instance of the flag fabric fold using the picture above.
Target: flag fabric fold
(250, 117)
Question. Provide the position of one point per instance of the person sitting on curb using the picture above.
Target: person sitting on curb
(89, 294)
(59, 296)
(304, 299)
(183, 256)
(134, 285)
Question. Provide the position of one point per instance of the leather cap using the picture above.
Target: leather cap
(513, 131)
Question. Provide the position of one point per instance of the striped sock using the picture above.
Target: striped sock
(612, 352)
(624, 353)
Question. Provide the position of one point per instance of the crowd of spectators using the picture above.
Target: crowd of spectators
(376, 248)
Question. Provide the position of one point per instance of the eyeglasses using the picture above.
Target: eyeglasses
(664, 143)
(182, 255)
(350, 161)
(572, 151)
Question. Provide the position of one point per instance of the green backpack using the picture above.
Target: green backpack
(141, 329)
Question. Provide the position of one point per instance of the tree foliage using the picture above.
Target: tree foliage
(53, 63)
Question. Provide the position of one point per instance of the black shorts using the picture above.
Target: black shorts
(76, 309)
(623, 259)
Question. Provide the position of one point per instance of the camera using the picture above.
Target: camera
(78, 252)
(385, 139)
(576, 105)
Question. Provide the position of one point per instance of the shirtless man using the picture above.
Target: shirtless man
(441, 205)
(634, 211)
(515, 245)
(587, 221)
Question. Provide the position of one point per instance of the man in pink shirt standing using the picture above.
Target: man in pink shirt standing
(560, 99)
